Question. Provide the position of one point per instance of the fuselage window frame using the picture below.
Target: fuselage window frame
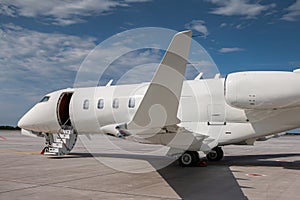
(100, 104)
(86, 104)
(131, 102)
(115, 103)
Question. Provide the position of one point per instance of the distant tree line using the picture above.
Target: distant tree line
(9, 128)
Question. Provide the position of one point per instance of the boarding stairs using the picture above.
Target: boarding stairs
(61, 143)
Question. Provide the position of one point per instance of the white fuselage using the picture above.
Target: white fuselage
(202, 109)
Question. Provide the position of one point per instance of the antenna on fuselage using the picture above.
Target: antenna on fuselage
(217, 76)
(109, 83)
(198, 76)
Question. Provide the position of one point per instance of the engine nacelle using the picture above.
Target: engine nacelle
(263, 90)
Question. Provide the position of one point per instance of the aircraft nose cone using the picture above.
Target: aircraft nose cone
(25, 122)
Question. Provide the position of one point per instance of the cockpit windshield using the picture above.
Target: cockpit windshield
(45, 99)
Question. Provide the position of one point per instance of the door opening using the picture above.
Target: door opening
(63, 111)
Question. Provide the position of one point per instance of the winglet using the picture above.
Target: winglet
(159, 106)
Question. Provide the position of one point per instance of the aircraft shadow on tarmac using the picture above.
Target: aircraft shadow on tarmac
(271, 160)
(213, 182)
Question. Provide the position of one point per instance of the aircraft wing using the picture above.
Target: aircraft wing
(178, 138)
(155, 120)
(159, 106)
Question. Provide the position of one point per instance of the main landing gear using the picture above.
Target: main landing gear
(215, 155)
(189, 158)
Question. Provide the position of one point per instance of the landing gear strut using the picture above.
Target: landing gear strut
(215, 155)
(189, 158)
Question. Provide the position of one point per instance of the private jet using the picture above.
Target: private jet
(188, 116)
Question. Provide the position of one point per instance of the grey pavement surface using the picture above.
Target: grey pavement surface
(268, 170)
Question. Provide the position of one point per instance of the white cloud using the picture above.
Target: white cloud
(35, 61)
(223, 25)
(239, 7)
(61, 12)
(138, 74)
(140, 58)
(293, 12)
(6, 10)
(133, 67)
(239, 26)
(229, 50)
(198, 25)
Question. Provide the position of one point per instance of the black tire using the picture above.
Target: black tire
(215, 155)
(46, 149)
(197, 158)
(189, 158)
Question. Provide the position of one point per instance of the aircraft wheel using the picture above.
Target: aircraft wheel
(189, 158)
(197, 158)
(215, 155)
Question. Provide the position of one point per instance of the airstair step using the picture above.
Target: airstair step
(53, 150)
(64, 136)
(57, 145)
(67, 132)
(60, 140)
(50, 154)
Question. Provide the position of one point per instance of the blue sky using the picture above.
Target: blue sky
(43, 43)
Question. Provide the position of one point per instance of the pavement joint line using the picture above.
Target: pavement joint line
(49, 184)
(112, 192)
(17, 189)
(69, 187)
(70, 180)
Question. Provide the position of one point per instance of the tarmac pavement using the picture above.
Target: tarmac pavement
(267, 170)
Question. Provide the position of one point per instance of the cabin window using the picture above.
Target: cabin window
(86, 104)
(115, 103)
(131, 102)
(45, 99)
(100, 104)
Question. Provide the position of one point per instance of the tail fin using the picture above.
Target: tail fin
(159, 106)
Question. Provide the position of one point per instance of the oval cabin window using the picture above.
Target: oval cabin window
(100, 104)
(131, 102)
(115, 103)
(86, 104)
